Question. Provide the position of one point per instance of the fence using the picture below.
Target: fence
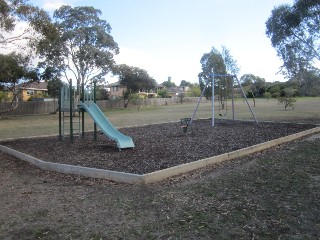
(29, 108)
(46, 107)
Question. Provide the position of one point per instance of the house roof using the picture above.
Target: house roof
(116, 84)
(176, 89)
(35, 86)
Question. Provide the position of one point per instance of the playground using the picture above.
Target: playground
(158, 146)
(271, 194)
(155, 147)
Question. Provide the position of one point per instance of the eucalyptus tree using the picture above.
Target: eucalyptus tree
(211, 63)
(81, 48)
(254, 85)
(134, 79)
(52, 76)
(294, 31)
(168, 83)
(185, 83)
(22, 23)
(308, 82)
(54, 87)
(14, 71)
(231, 64)
(218, 63)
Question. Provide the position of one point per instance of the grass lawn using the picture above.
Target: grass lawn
(306, 110)
(274, 194)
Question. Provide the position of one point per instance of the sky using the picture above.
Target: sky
(167, 38)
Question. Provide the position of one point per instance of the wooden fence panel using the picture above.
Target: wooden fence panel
(46, 107)
(30, 108)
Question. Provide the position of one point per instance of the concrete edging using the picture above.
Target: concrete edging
(76, 170)
(184, 168)
(154, 176)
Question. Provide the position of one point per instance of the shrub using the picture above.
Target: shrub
(267, 95)
(276, 95)
(287, 101)
(163, 93)
(4, 96)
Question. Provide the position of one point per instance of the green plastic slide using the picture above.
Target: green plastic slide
(106, 126)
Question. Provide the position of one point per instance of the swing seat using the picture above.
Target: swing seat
(184, 122)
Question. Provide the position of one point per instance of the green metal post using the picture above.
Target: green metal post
(59, 102)
(71, 115)
(94, 100)
(212, 101)
(82, 110)
(232, 98)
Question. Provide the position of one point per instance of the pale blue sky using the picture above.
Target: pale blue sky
(169, 37)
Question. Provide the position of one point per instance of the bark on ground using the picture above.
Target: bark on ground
(274, 194)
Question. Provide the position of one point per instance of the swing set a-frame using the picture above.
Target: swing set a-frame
(212, 81)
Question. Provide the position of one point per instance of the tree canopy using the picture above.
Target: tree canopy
(231, 64)
(184, 83)
(82, 47)
(254, 85)
(194, 91)
(134, 79)
(294, 32)
(12, 12)
(216, 62)
(211, 63)
(15, 70)
(168, 83)
(54, 86)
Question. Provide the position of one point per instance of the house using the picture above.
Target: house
(178, 91)
(116, 90)
(151, 93)
(33, 90)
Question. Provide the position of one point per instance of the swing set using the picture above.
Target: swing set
(222, 100)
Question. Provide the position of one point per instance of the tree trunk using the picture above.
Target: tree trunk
(126, 103)
(254, 99)
(13, 106)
